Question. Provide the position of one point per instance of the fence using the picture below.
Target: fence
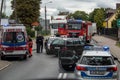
(109, 32)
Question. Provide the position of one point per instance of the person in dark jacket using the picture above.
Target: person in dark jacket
(39, 42)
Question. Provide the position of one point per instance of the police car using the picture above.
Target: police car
(96, 65)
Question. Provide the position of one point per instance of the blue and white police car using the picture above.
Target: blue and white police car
(96, 65)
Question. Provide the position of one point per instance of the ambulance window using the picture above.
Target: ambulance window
(8, 37)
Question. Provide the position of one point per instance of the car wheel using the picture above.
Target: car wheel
(25, 57)
(47, 52)
(2, 57)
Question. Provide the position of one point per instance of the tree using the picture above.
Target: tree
(99, 17)
(80, 15)
(4, 15)
(118, 14)
(27, 11)
(114, 24)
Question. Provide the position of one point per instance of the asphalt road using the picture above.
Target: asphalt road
(39, 66)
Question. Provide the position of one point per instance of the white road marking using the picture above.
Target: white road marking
(64, 75)
(5, 66)
(60, 75)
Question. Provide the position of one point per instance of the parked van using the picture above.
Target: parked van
(13, 41)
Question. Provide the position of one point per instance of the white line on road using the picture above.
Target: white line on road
(64, 75)
(5, 66)
(60, 75)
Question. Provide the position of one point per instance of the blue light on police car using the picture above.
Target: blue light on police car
(106, 48)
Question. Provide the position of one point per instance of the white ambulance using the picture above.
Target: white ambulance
(13, 41)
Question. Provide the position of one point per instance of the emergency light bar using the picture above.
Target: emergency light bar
(106, 48)
(74, 21)
(97, 48)
(5, 25)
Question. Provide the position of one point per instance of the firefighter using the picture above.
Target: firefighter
(30, 45)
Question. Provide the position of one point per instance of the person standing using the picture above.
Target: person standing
(39, 42)
(30, 44)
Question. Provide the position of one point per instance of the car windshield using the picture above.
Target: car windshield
(50, 40)
(74, 26)
(96, 60)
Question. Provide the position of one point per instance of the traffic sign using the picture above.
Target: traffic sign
(118, 23)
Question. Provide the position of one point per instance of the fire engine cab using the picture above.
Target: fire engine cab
(77, 28)
(13, 41)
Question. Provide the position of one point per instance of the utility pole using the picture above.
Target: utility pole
(46, 16)
(1, 11)
(45, 20)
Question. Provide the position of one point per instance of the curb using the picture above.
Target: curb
(5, 66)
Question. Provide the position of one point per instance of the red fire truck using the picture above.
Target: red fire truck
(77, 28)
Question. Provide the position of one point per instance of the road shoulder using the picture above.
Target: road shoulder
(4, 64)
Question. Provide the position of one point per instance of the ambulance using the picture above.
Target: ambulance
(13, 41)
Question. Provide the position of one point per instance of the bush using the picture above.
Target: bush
(43, 32)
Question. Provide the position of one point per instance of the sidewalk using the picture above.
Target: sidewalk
(101, 40)
(4, 64)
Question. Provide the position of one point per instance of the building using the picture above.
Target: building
(108, 21)
(111, 15)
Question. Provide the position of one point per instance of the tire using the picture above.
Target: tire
(2, 57)
(25, 57)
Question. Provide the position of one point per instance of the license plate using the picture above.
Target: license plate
(97, 72)
(57, 47)
(74, 34)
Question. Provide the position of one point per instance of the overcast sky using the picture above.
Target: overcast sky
(69, 5)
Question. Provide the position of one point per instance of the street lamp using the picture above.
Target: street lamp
(46, 17)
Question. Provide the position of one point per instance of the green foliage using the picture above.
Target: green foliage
(38, 28)
(99, 17)
(4, 15)
(118, 14)
(43, 32)
(78, 15)
(27, 11)
(30, 32)
(114, 24)
(118, 43)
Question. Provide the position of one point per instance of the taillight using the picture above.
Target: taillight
(64, 48)
(112, 69)
(81, 68)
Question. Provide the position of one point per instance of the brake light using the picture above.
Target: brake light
(112, 69)
(81, 68)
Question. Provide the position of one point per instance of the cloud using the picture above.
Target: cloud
(70, 5)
